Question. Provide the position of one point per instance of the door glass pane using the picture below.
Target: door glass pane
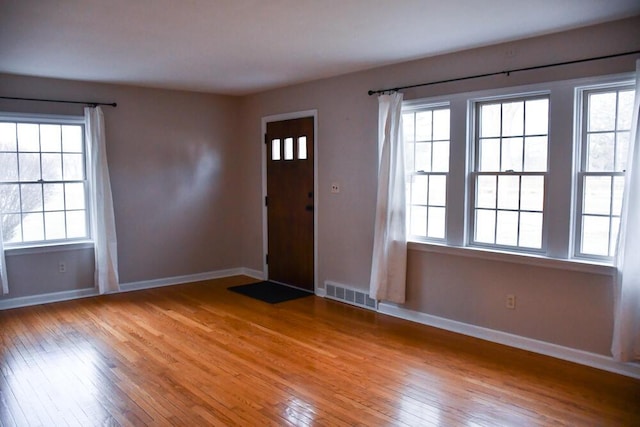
(275, 149)
(302, 147)
(288, 148)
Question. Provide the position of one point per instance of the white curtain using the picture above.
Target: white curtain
(626, 331)
(102, 218)
(389, 261)
(4, 281)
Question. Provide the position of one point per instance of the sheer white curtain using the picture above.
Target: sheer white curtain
(4, 281)
(389, 261)
(626, 330)
(102, 218)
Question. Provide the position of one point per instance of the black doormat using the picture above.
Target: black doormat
(270, 292)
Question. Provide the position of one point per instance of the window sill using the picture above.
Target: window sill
(44, 248)
(527, 259)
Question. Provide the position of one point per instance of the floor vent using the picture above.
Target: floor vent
(350, 296)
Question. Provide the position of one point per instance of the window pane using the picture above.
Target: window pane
(532, 193)
(408, 129)
(419, 221)
(535, 154)
(507, 228)
(76, 224)
(597, 195)
(489, 155)
(53, 197)
(622, 151)
(508, 192)
(8, 137)
(31, 197)
(437, 190)
(531, 230)
(490, 120)
(595, 235)
(602, 111)
(512, 154)
(625, 109)
(11, 228)
(302, 147)
(618, 189)
(600, 152)
(275, 149)
(409, 157)
(9, 198)
(28, 137)
(8, 167)
(441, 124)
(486, 191)
(50, 138)
(440, 156)
(74, 195)
(33, 227)
(419, 190)
(513, 118)
(51, 167)
(537, 117)
(72, 139)
(613, 238)
(73, 166)
(436, 222)
(29, 166)
(288, 148)
(423, 156)
(485, 226)
(54, 225)
(424, 126)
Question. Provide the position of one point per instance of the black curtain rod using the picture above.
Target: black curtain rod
(90, 104)
(507, 72)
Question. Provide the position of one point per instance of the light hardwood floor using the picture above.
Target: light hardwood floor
(198, 354)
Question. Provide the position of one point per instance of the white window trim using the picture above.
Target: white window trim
(46, 246)
(559, 250)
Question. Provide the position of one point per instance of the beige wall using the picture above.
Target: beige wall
(557, 306)
(173, 161)
(186, 177)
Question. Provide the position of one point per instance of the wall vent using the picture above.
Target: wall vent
(338, 292)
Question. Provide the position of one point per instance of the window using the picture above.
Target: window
(43, 183)
(511, 139)
(426, 134)
(604, 142)
(533, 170)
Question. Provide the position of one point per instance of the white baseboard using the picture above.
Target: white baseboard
(27, 301)
(560, 352)
(17, 302)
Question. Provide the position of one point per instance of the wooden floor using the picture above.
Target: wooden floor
(198, 354)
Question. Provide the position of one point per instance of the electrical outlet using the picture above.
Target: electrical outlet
(511, 302)
(335, 187)
(62, 267)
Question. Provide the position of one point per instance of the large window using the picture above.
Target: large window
(535, 170)
(426, 133)
(42, 180)
(604, 136)
(509, 172)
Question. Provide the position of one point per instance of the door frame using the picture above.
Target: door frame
(265, 229)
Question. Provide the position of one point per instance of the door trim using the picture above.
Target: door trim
(265, 230)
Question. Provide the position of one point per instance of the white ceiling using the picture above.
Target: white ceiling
(245, 46)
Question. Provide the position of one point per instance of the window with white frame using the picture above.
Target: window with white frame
(604, 133)
(536, 169)
(509, 172)
(43, 181)
(426, 133)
